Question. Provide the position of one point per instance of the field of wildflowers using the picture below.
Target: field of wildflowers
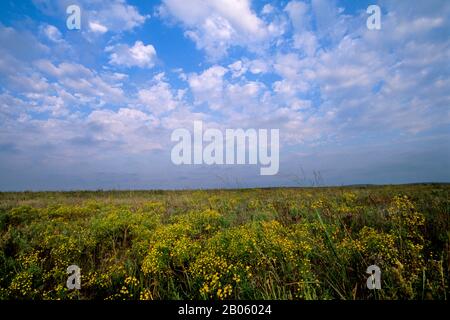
(287, 243)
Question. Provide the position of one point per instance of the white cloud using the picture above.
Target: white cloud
(267, 9)
(182, 117)
(29, 83)
(63, 69)
(299, 14)
(208, 86)
(370, 80)
(237, 68)
(307, 42)
(128, 129)
(294, 72)
(244, 95)
(139, 55)
(19, 45)
(334, 85)
(12, 107)
(330, 21)
(85, 83)
(258, 66)
(217, 25)
(299, 104)
(286, 88)
(160, 97)
(70, 140)
(119, 76)
(52, 33)
(97, 27)
(116, 16)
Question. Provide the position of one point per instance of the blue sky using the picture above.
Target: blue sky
(94, 108)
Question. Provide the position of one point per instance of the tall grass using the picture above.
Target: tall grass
(291, 243)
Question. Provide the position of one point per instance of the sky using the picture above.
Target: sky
(94, 108)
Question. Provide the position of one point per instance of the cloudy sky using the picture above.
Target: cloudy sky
(94, 108)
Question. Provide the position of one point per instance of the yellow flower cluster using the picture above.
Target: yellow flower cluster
(216, 274)
(146, 294)
(22, 285)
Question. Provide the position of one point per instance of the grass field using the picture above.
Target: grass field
(287, 243)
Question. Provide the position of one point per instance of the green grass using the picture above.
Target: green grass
(286, 243)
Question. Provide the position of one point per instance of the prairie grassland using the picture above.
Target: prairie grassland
(287, 243)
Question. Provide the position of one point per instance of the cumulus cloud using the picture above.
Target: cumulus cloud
(258, 66)
(127, 128)
(370, 80)
(82, 81)
(160, 97)
(207, 86)
(217, 25)
(241, 67)
(237, 68)
(116, 15)
(99, 16)
(139, 55)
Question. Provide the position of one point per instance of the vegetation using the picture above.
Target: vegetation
(296, 243)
